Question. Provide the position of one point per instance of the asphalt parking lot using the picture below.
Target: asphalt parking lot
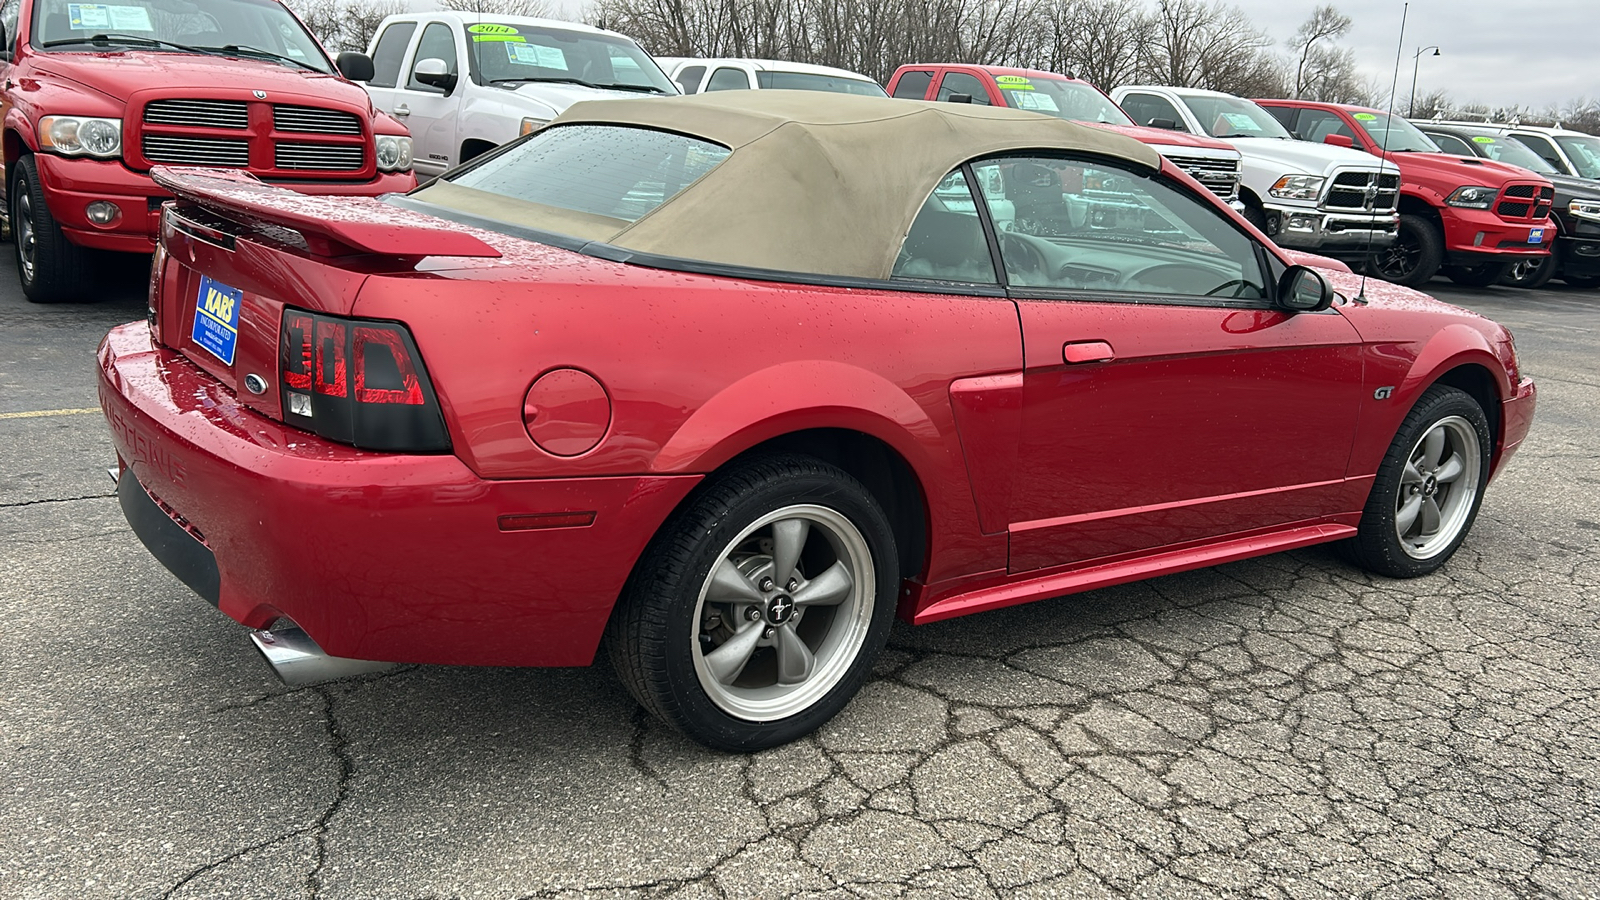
(1284, 727)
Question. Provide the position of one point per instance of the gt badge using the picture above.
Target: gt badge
(1383, 393)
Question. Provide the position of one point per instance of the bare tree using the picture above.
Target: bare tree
(501, 7)
(345, 24)
(1434, 104)
(1209, 45)
(1325, 22)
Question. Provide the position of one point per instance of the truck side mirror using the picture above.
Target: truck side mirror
(355, 66)
(435, 72)
(1168, 124)
(1339, 140)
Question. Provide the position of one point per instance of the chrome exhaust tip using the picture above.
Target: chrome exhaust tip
(298, 661)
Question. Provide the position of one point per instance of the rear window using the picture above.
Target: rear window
(616, 171)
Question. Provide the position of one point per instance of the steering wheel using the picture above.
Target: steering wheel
(1020, 256)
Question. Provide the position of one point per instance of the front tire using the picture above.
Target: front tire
(1428, 488)
(756, 613)
(1415, 256)
(52, 269)
(1478, 276)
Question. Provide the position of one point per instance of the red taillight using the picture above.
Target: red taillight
(333, 379)
(384, 373)
(358, 382)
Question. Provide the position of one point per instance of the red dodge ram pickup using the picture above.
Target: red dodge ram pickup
(1471, 217)
(93, 94)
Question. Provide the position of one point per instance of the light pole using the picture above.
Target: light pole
(1416, 60)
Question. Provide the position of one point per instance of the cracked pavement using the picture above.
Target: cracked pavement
(1283, 727)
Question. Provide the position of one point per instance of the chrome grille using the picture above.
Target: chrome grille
(1220, 176)
(197, 151)
(320, 157)
(1349, 191)
(199, 113)
(310, 120)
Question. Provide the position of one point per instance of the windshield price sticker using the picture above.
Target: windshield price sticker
(99, 17)
(1483, 139)
(1012, 83)
(1241, 121)
(1366, 117)
(535, 55)
(216, 318)
(1535, 235)
(1038, 102)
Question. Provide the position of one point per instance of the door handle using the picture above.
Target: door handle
(402, 110)
(1074, 352)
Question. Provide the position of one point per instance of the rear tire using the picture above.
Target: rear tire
(1428, 488)
(51, 268)
(1415, 256)
(1530, 275)
(757, 611)
(1480, 275)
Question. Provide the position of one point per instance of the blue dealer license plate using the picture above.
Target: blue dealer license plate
(216, 318)
(1535, 235)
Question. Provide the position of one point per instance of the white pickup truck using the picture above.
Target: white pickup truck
(467, 82)
(1329, 200)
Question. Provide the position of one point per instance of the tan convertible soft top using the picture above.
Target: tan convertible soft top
(817, 182)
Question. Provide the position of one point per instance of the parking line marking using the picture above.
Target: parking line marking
(39, 413)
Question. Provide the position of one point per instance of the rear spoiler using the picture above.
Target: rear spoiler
(331, 225)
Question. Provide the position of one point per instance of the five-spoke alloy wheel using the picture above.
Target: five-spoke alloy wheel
(1428, 487)
(756, 613)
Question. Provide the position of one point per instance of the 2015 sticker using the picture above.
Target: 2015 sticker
(1483, 139)
(1366, 117)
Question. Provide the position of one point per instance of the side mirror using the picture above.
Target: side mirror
(355, 66)
(1168, 124)
(435, 73)
(1339, 140)
(1303, 289)
(958, 98)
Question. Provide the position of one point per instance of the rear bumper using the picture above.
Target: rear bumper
(1517, 415)
(377, 556)
(71, 184)
(1474, 236)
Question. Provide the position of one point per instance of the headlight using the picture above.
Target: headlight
(1472, 197)
(529, 126)
(81, 136)
(1585, 209)
(394, 153)
(1297, 187)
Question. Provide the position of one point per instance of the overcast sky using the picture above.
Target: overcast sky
(1499, 52)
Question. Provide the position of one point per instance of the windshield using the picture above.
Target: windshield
(257, 29)
(805, 81)
(503, 53)
(1583, 151)
(1071, 100)
(1511, 152)
(1394, 134)
(1231, 117)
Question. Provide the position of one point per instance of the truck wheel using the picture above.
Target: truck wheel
(756, 613)
(52, 269)
(1253, 214)
(1530, 274)
(1428, 488)
(1480, 275)
(1414, 257)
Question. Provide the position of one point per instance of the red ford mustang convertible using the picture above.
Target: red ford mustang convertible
(726, 382)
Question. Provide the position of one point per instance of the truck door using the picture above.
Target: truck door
(388, 52)
(429, 111)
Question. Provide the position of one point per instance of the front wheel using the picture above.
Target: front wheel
(52, 269)
(1414, 257)
(756, 613)
(1480, 275)
(1428, 488)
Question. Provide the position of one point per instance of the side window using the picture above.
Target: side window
(913, 85)
(9, 12)
(962, 83)
(946, 241)
(1316, 124)
(1545, 149)
(437, 43)
(1074, 225)
(1146, 108)
(726, 79)
(689, 78)
(1451, 144)
(388, 54)
(1284, 115)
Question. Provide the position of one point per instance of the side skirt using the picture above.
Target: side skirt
(1169, 562)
